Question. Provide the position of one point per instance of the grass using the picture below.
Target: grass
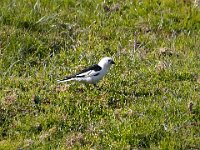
(149, 100)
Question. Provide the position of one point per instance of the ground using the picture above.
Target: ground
(149, 99)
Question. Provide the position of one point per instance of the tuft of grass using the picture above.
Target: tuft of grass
(149, 100)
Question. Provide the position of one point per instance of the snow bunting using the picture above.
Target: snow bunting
(92, 74)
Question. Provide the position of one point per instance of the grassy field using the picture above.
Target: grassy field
(149, 100)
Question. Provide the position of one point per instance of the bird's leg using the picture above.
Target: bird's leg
(87, 86)
(97, 87)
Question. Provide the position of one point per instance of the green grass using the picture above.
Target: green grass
(143, 102)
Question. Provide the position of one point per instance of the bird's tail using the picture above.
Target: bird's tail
(65, 80)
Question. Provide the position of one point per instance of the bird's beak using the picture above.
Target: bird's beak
(112, 62)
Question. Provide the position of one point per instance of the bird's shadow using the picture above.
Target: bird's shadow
(132, 93)
(114, 92)
(117, 97)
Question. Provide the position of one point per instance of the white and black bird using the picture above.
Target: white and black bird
(93, 73)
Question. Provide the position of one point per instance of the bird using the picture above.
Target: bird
(92, 74)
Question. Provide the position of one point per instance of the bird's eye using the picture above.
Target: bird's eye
(109, 61)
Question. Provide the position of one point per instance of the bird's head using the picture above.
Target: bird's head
(106, 62)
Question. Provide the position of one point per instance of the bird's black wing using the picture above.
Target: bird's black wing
(91, 68)
(90, 71)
